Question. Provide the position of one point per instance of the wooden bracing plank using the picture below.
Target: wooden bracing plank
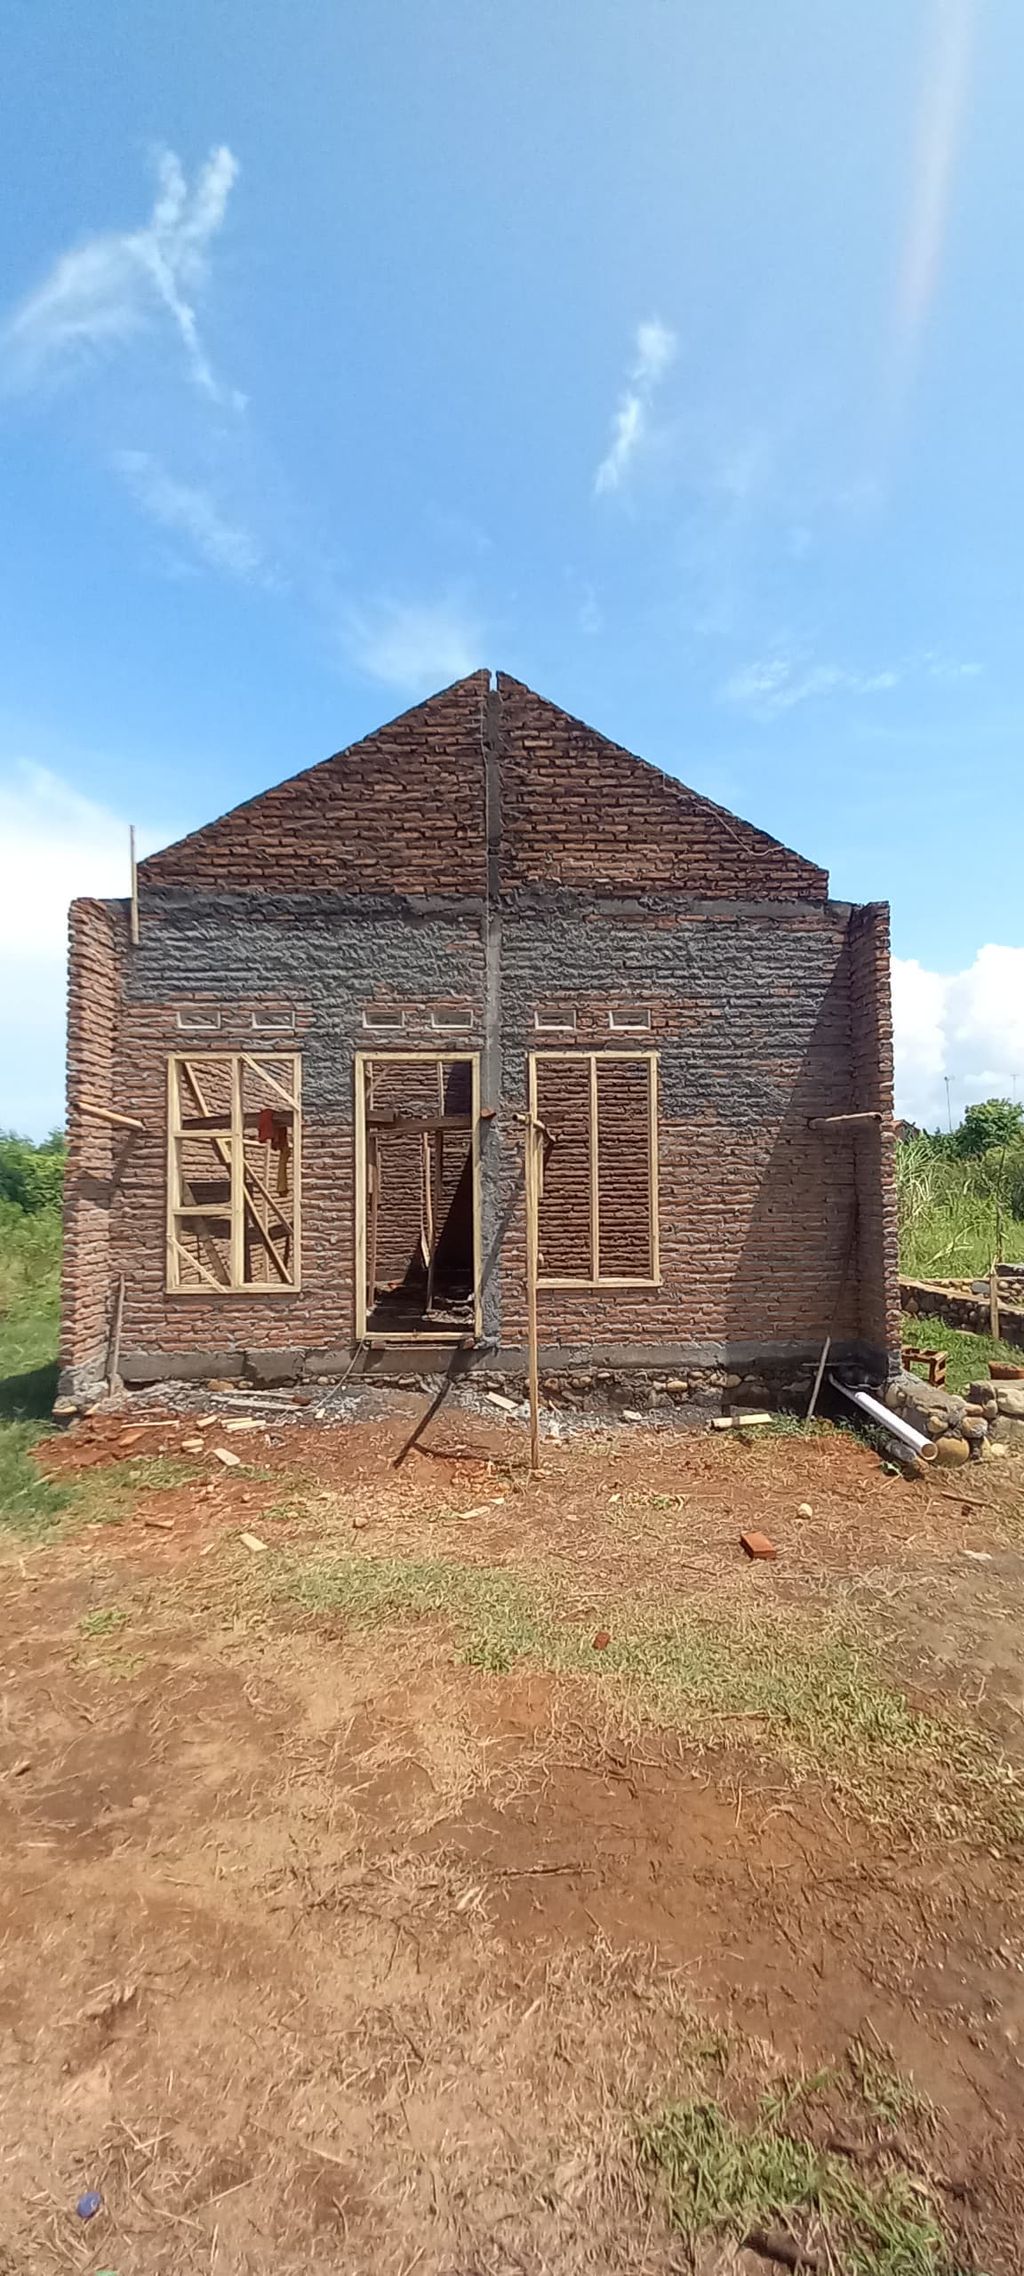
(225, 1135)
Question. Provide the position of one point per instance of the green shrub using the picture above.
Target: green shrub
(990, 1127)
(32, 1176)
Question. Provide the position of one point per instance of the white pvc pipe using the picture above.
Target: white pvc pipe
(925, 1448)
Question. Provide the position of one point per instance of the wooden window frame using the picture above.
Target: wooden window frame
(384, 1022)
(268, 1065)
(363, 1060)
(452, 1023)
(597, 1279)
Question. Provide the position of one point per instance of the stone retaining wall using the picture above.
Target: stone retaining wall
(935, 1299)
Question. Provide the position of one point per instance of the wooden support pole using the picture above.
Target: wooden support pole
(135, 886)
(813, 1401)
(428, 1213)
(114, 1345)
(371, 1265)
(993, 1299)
(107, 1114)
(534, 1141)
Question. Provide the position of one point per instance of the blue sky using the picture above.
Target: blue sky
(669, 356)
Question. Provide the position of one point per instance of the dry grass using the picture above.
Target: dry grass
(812, 1686)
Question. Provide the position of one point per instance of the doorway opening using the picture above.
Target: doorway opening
(417, 1196)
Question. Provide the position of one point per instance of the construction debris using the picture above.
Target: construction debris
(739, 1420)
(757, 1545)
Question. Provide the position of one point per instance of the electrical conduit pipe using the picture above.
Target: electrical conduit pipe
(925, 1448)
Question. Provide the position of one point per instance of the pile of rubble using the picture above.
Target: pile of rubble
(1002, 1406)
(958, 1426)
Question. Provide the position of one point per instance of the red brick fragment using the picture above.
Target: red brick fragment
(602, 1640)
(757, 1545)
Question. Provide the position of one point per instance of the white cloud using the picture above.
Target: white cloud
(54, 845)
(189, 512)
(110, 288)
(968, 1025)
(415, 646)
(655, 351)
(778, 683)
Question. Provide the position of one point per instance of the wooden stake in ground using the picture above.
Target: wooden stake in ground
(114, 1346)
(534, 1141)
(826, 1346)
(993, 1299)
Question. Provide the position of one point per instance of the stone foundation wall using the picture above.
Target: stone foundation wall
(936, 1299)
(1002, 1405)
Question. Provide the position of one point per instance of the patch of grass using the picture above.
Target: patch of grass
(780, 2101)
(886, 2093)
(967, 1356)
(811, 1685)
(103, 1621)
(30, 1505)
(117, 1667)
(29, 1306)
(720, 2179)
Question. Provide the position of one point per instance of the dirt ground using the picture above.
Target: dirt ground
(333, 1939)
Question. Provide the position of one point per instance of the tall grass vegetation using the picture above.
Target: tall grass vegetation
(961, 1195)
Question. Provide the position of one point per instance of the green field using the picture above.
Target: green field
(957, 1212)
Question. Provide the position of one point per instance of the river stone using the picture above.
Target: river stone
(950, 1451)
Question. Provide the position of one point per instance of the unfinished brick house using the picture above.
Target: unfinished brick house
(300, 1064)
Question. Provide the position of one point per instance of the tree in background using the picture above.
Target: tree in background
(31, 1176)
(997, 1122)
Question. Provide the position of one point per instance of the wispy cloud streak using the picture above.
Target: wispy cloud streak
(112, 287)
(188, 512)
(655, 351)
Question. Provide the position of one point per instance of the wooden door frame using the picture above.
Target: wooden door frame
(363, 1060)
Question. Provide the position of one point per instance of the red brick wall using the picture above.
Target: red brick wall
(757, 1216)
(871, 1020)
(756, 1211)
(402, 811)
(578, 809)
(96, 1151)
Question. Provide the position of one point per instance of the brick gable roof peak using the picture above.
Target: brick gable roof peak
(404, 809)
